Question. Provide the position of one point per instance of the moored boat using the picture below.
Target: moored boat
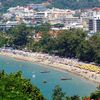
(45, 72)
(64, 78)
(44, 81)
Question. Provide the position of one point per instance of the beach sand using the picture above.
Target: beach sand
(63, 64)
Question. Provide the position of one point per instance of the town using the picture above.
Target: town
(49, 49)
(60, 19)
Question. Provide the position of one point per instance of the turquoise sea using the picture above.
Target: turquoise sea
(76, 86)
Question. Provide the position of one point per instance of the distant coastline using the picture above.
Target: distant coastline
(64, 64)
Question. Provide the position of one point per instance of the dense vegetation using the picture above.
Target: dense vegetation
(14, 87)
(12, 3)
(76, 4)
(73, 43)
(73, 4)
(58, 94)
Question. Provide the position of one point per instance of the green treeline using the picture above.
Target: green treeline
(14, 87)
(73, 43)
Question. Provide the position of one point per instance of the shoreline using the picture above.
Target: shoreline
(54, 62)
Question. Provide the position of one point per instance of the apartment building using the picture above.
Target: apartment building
(94, 21)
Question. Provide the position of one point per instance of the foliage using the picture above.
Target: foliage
(12, 3)
(19, 35)
(95, 44)
(68, 41)
(76, 97)
(72, 4)
(15, 87)
(95, 95)
(44, 28)
(76, 4)
(58, 94)
(4, 39)
(73, 43)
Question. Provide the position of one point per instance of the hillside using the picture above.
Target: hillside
(5, 4)
(73, 4)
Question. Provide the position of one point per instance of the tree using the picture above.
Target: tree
(58, 94)
(68, 98)
(76, 97)
(44, 28)
(15, 87)
(68, 42)
(95, 44)
(19, 36)
(4, 39)
(98, 88)
(85, 52)
(95, 95)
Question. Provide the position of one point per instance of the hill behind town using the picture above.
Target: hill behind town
(72, 4)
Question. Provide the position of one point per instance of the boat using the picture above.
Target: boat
(44, 81)
(64, 78)
(45, 72)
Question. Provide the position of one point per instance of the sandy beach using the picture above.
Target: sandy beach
(64, 64)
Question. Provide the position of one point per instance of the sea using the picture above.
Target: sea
(46, 77)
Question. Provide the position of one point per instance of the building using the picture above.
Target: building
(37, 13)
(94, 25)
(94, 21)
(7, 25)
(91, 19)
(55, 15)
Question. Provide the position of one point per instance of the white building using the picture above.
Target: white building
(20, 13)
(58, 15)
(94, 21)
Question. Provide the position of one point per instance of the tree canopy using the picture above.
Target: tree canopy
(14, 87)
(73, 43)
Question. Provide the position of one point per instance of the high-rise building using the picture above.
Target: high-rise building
(94, 25)
(94, 21)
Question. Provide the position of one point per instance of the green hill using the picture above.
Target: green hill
(73, 4)
(76, 4)
(5, 4)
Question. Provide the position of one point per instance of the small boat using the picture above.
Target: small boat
(44, 81)
(45, 72)
(64, 78)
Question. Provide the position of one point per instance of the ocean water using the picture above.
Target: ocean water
(76, 86)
